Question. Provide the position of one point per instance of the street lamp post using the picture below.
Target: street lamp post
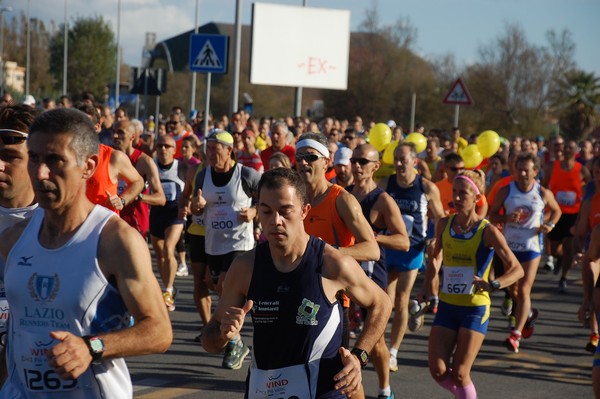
(2, 11)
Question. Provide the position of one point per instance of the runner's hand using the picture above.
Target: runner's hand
(348, 380)
(71, 357)
(198, 202)
(247, 214)
(113, 201)
(233, 320)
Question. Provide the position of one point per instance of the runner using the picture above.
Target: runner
(76, 255)
(593, 256)
(459, 328)
(524, 201)
(385, 219)
(289, 284)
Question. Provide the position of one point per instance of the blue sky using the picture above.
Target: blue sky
(460, 27)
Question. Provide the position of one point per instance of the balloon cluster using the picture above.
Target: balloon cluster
(380, 136)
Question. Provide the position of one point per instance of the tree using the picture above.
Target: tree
(91, 58)
(578, 98)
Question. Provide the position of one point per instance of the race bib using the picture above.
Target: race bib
(121, 186)
(288, 383)
(519, 239)
(4, 310)
(458, 280)
(170, 189)
(409, 221)
(32, 364)
(198, 219)
(223, 218)
(567, 198)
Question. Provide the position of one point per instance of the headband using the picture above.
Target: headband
(14, 131)
(314, 144)
(471, 182)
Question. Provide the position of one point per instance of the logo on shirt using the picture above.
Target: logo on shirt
(25, 261)
(307, 313)
(44, 288)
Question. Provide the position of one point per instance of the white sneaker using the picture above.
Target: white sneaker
(393, 363)
(182, 271)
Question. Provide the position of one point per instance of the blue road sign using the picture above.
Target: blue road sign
(208, 53)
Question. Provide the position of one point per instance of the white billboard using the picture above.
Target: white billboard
(300, 46)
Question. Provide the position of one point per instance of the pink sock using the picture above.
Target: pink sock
(467, 392)
(448, 384)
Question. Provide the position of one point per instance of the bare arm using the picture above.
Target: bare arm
(553, 212)
(495, 216)
(122, 254)
(390, 215)
(365, 247)
(147, 167)
(433, 268)
(435, 202)
(228, 318)
(121, 168)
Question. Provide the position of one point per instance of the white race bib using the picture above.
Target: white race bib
(170, 189)
(288, 382)
(224, 218)
(566, 198)
(409, 221)
(458, 280)
(32, 364)
(520, 239)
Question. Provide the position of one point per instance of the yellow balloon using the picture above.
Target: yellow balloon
(418, 140)
(380, 136)
(388, 153)
(471, 156)
(488, 143)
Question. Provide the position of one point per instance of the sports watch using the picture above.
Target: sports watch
(96, 347)
(495, 285)
(123, 201)
(362, 355)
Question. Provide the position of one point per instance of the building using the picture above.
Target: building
(14, 77)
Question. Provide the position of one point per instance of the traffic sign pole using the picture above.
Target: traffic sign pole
(207, 106)
(456, 110)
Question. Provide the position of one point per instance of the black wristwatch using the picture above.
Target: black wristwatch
(495, 285)
(96, 346)
(362, 355)
(123, 201)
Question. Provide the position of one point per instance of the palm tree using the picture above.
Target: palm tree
(578, 99)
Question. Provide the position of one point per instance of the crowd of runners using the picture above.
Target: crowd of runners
(310, 227)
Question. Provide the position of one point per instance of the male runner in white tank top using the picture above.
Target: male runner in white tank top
(76, 275)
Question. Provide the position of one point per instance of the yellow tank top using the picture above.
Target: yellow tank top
(196, 228)
(465, 256)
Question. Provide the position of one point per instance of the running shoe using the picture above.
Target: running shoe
(182, 271)
(512, 322)
(512, 343)
(507, 305)
(235, 353)
(393, 363)
(562, 285)
(433, 305)
(530, 323)
(169, 301)
(416, 319)
(593, 344)
(549, 265)
(390, 396)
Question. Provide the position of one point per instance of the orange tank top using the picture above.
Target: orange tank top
(445, 188)
(567, 187)
(323, 221)
(595, 211)
(100, 182)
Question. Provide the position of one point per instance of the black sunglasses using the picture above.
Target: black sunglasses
(8, 140)
(455, 169)
(310, 158)
(349, 137)
(360, 161)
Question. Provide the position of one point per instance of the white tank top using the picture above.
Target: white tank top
(224, 231)
(524, 235)
(171, 183)
(61, 289)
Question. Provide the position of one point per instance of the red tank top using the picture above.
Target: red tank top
(323, 221)
(137, 214)
(100, 182)
(567, 187)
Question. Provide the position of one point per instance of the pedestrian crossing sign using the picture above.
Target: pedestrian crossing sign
(208, 53)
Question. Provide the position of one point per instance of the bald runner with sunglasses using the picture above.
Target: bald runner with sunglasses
(335, 215)
(17, 201)
(385, 219)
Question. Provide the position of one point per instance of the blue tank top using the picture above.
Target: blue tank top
(294, 321)
(412, 202)
(376, 270)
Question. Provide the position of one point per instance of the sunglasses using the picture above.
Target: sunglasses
(456, 169)
(310, 158)
(349, 137)
(360, 161)
(8, 140)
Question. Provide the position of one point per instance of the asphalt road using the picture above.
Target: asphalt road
(552, 363)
